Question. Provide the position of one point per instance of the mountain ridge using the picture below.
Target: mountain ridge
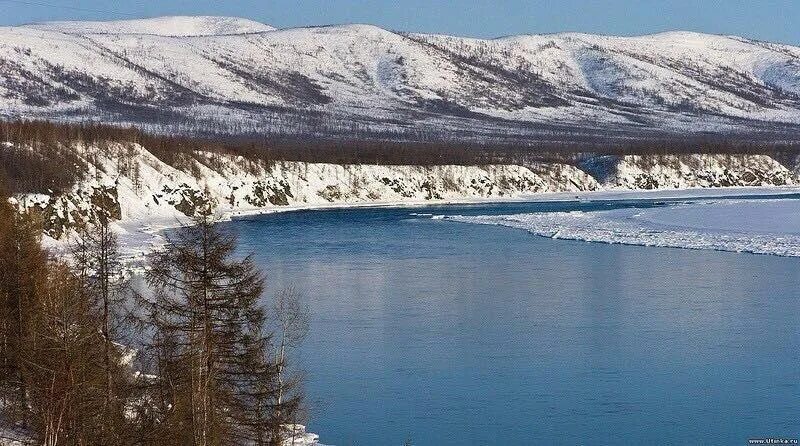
(363, 80)
(168, 26)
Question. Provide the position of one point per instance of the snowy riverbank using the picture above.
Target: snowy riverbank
(148, 195)
(619, 226)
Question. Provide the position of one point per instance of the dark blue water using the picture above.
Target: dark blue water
(445, 333)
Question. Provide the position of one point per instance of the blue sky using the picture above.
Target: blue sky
(775, 20)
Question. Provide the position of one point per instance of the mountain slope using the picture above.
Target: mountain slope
(178, 26)
(232, 75)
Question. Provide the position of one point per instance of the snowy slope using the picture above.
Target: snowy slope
(236, 75)
(185, 26)
(683, 171)
(147, 192)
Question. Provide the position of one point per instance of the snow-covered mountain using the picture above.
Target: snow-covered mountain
(235, 75)
(176, 26)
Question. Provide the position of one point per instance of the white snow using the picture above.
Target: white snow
(296, 435)
(697, 170)
(153, 195)
(369, 72)
(179, 26)
(748, 225)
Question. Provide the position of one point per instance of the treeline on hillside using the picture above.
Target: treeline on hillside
(38, 158)
(211, 368)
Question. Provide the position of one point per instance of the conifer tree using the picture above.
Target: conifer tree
(22, 277)
(60, 371)
(212, 352)
(99, 268)
(62, 378)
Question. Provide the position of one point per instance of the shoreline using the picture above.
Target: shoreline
(139, 237)
(544, 197)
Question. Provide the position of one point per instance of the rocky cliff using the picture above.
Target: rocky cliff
(139, 188)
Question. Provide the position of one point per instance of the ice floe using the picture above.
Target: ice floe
(756, 226)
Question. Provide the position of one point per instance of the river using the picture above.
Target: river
(438, 332)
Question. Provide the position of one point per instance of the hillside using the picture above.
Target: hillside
(228, 75)
(176, 26)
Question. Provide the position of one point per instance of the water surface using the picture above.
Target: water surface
(445, 333)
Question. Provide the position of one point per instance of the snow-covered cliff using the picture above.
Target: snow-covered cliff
(143, 190)
(684, 171)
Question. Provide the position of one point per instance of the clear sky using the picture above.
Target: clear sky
(774, 20)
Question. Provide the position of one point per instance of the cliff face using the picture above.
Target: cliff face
(137, 187)
(683, 171)
(140, 187)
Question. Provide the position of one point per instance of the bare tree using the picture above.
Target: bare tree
(62, 378)
(291, 315)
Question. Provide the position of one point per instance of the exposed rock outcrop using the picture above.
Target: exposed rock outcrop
(128, 183)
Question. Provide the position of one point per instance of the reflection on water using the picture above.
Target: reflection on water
(454, 334)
